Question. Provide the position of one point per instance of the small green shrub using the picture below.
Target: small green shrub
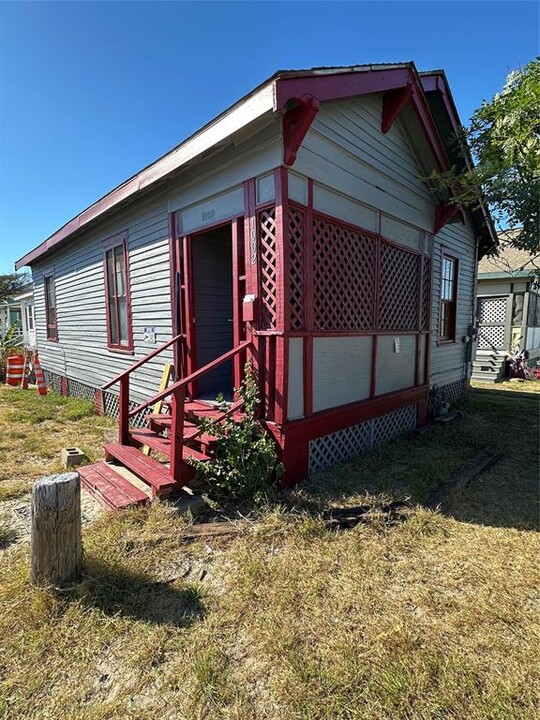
(244, 464)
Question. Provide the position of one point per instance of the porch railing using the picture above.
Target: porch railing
(178, 392)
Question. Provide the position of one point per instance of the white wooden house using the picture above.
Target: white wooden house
(19, 311)
(508, 310)
(295, 229)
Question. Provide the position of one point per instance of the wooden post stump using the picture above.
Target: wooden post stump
(56, 530)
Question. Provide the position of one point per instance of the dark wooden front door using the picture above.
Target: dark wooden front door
(212, 273)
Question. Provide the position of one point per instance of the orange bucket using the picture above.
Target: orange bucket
(14, 369)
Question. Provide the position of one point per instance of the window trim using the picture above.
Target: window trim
(451, 339)
(119, 240)
(50, 276)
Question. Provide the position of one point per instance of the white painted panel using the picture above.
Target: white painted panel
(533, 339)
(341, 370)
(298, 188)
(211, 210)
(266, 188)
(399, 232)
(296, 379)
(493, 288)
(395, 370)
(254, 157)
(344, 208)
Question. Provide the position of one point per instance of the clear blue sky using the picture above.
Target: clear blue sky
(92, 92)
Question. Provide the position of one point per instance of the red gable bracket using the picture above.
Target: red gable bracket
(445, 214)
(296, 123)
(393, 103)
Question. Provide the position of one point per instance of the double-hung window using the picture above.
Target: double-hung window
(50, 308)
(119, 331)
(448, 300)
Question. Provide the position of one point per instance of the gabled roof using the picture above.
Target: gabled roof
(279, 93)
(509, 262)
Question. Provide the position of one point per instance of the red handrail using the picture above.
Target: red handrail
(138, 364)
(190, 378)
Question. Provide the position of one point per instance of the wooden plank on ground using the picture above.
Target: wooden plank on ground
(479, 464)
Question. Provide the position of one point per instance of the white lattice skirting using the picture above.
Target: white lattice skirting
(353, 441)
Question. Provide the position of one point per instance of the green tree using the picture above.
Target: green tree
(11, 284)
(504, 137)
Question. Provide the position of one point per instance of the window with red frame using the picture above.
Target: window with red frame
(119, 333)
(50, 309)
(448, 303)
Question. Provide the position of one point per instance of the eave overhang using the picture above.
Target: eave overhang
(273, 96)
(444, 111)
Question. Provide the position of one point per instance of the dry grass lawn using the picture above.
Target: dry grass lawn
(435, 618)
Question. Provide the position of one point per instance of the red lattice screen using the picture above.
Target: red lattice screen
(426, 295)
(268, 268)
(399, 289)
(297, 281)
(343, 277)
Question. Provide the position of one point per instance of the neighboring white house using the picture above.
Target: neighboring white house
(508, 310)
(19, 311)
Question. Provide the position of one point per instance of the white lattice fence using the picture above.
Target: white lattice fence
(353, 441)
(82, 390)
(111, 407)
(492, 310)
(53, 381)
(491, 336)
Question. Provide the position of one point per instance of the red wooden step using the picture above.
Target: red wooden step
(145, 436)
(110, 489)
(191, 430)
(151, 471)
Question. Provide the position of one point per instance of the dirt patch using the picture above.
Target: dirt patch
(15, 514)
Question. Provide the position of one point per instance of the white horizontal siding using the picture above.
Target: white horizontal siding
(346, 150)
(81, 352)
(448, 360)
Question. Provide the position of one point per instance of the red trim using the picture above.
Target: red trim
(451, 255)
(282, 242)
(328, 421)
(173, 265)
(237, 239)
(119, 240)
(50, 276)
(189, 299)
(296, 123)
(393, 103)
(280, 371)
(337, 86)
(98, 402)
(443, 215)
(308, 235)
(140, 362)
